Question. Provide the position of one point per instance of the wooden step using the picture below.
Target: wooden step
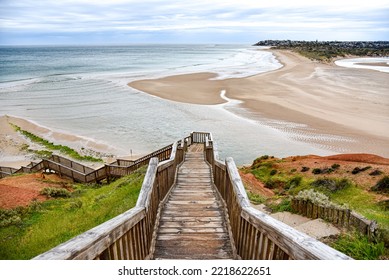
(192, 223)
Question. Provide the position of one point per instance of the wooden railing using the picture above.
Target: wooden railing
(6, 171)
(129, 235)
(257, 235)
(81, 173)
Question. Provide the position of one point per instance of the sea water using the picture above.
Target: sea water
(83, 90)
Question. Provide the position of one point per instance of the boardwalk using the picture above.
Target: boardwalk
(192, 224)
(184, 216)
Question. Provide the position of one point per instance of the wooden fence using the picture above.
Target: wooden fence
(341, 217)
(81, 173)
(257, 235)
(129, 235)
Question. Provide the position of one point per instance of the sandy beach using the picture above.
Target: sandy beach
(327, 101)
(12, 153)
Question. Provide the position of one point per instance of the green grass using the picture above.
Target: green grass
(340, 190)
(56, 221)
(359, 247)
(53, 147)
(255, 198)
(363, 203)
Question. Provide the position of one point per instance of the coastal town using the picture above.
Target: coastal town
(324, 50)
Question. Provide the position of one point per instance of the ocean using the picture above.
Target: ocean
(82, 90)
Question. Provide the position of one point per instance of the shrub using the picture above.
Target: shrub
(274, 183)
(325, 170)
(317, 198)
(357, 170)
(335, 166)
(376, 173)
(305, 169)
(55, 192)
(294, 182)
(316, 171)
(331, 184)
(382, 185)
(273, 172)
(10, 217)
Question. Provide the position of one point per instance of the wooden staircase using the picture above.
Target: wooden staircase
(192, 223)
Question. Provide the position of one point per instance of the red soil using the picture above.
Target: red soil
(347, 163)
(22, 190)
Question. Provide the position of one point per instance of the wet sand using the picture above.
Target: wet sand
(12, 153)
(349, 104)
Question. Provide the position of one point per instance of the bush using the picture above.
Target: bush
(382, 185)
(316, 171)
(305, 169)
(325, 170)
(273, 172)
(55, 192)
(10, 217)
(335, 166)
(274, 183)
(294, 182)
(357, 170)
(376, 173)
(317, 198)
(331, 184)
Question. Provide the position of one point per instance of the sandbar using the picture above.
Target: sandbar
(326, 99)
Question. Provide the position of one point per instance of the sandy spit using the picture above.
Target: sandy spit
(326, 99)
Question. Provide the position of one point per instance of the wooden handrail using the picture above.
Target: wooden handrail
(257, 235)
(129, 235)
(81, 173)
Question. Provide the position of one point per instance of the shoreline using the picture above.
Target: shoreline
(316, 103)
(14, 146)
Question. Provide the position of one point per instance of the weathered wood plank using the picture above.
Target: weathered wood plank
(192, 224)
(193, 236)
(298, 245)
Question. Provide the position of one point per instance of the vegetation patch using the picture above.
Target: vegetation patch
(382, 185)
(43, 226)
(335, 166)
(332, 184)
(326, 170)
(281, 206)
(318, 198)
(376, 172)
(55, 192)
(359, 247)
(357, 170)
(255, 198)
(54, 147)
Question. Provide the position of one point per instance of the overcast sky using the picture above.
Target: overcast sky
(194, 21)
